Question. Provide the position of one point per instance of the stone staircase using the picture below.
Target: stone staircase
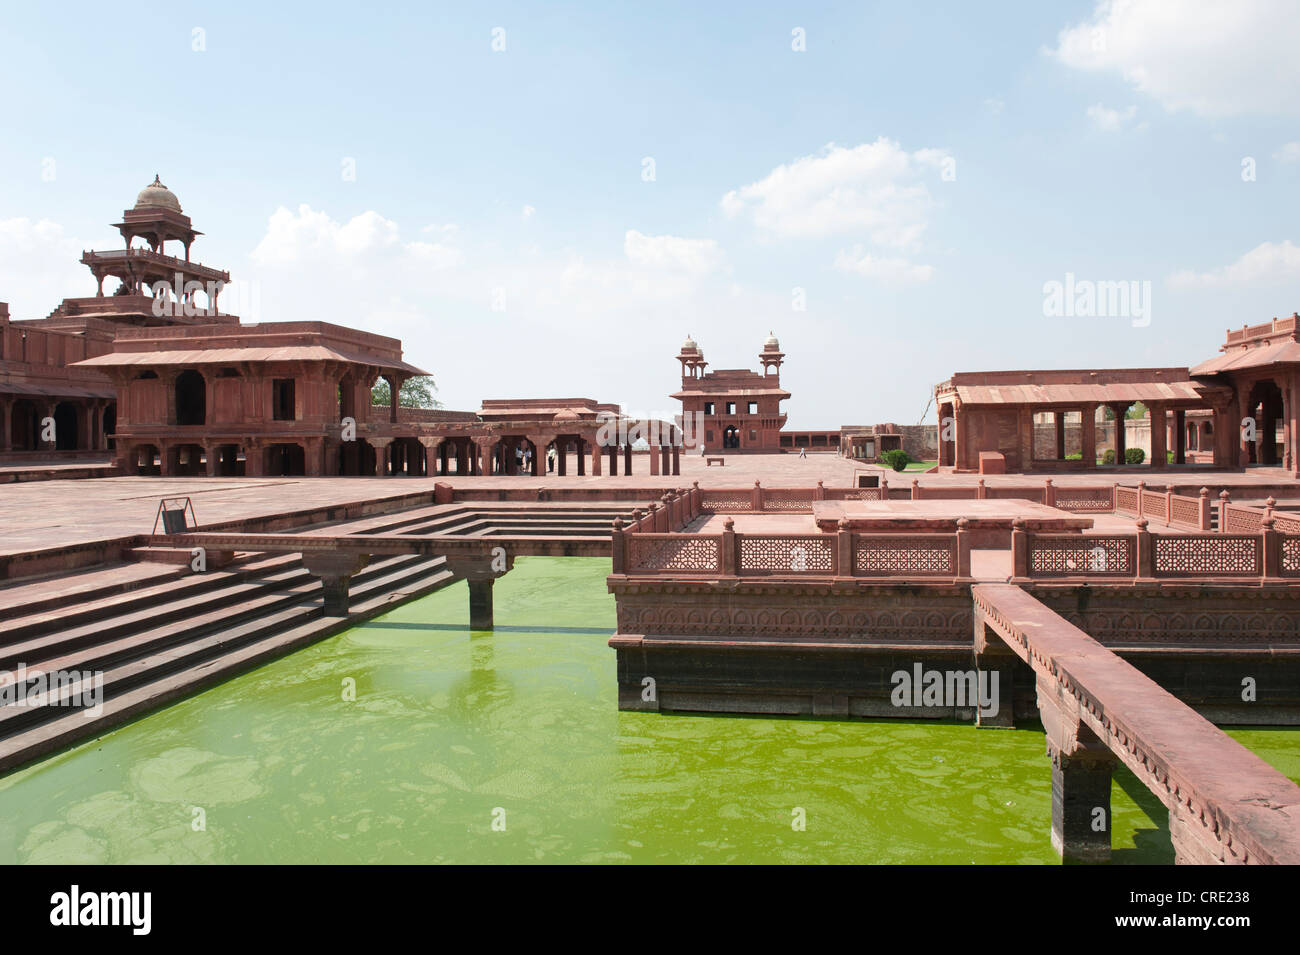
(155, 643)
(154, 632)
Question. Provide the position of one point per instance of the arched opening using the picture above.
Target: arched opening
(110, 426)
(228, 462)
(285, 460)
(731, 437)
(187, 460)
(66, 437)
(144, 460)
(191, 398)
(23, 430)
(409, 457)
(1265, 406)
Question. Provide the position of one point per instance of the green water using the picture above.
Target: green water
(451, 731)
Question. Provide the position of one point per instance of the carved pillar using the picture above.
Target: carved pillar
(613, 460)
(1088, 435)
(335, 569)
(596, 452)
(581, 447)
(655, 455)
(480, 573)
(1159, 436)
(1121, 432)
(381, 456)
(1058, 419)
(1180, 436)
(627, 459)
(959, 440)
(677, 460)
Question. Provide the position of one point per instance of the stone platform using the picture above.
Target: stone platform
(942, 516)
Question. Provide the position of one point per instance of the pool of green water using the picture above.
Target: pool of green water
(508, 747)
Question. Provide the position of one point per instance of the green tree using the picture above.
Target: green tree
(414, 393)
(1139, 410)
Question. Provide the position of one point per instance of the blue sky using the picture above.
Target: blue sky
(918, 171)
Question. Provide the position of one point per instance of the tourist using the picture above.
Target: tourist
(803, 453)
(550, 458)
(528, 461)
(519, 460)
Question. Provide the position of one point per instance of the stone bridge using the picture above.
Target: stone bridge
(1226, 805)
(335, 558)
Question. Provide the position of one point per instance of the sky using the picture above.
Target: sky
(543, 200)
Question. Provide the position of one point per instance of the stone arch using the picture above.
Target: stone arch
(284, 460)
(191, 398)
(24, 426)
(67, 426)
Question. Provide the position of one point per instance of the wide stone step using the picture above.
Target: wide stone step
(95, 607)
(131, 619)
(185, 669)
(188, 611)
(45, 592)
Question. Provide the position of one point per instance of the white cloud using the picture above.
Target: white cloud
(877, 188)
(291, 237)
(309, 235)
(1110, 120)
(527, 212)
(1214, 58)
(40, 266)
(697, 256)
(889, 270)
(1266, 263)
(1288, 152)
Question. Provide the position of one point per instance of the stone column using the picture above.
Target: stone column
(613, 461)
(1180, 436)
(960, 443)
(335, 569)
(1121, 432)
(655, 454)
(1159, 435)
(1058, 418)
(254, 464)
(6, 424)
(580, 447)
(1088, 434)
(381, 456)
(211, 456)
(561, 458)
(1081, 823)
(596, 452)
(480, 573)
(677, 461)
(627, 459)
(1081, 778)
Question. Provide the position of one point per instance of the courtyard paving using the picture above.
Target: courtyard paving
(57, 513)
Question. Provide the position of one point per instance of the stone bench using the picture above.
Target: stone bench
(709, 462)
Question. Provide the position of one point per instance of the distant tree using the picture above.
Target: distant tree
(414, 393)
(1139, 410)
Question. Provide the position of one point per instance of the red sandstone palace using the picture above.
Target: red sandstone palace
(154, 372)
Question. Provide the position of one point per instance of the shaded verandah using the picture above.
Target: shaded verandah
(995, 412)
